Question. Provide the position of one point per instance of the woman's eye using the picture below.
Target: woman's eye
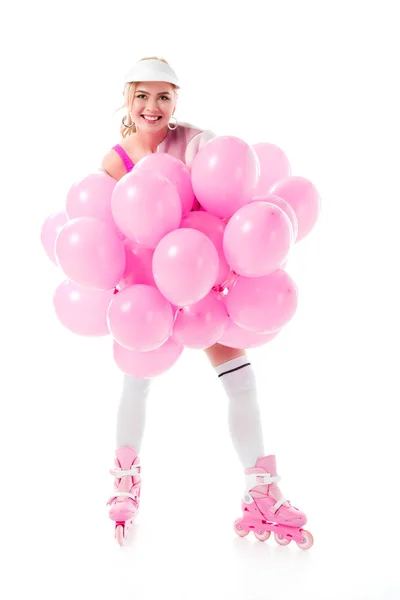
(141, 96)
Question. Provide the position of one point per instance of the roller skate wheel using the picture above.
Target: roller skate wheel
(281, 539)
(307, 541)
(239, 530)
(261, 535)
(119, 534)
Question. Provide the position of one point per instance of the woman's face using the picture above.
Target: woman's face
(153, 105)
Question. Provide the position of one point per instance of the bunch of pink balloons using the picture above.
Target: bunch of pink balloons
(168, 258)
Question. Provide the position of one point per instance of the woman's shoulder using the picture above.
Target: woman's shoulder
(188, 126)
(115, 162)
(193, 130)
(112, 165)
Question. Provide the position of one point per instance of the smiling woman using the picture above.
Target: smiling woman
(148, 127)
(136, 94)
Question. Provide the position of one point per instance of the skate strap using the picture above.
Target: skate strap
(278, 504)
(117, 472)
(253, 479)
(122, 495)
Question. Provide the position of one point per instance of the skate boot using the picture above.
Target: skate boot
(265, 509)
(124, 503)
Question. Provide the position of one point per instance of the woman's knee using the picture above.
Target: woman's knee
(218, 354)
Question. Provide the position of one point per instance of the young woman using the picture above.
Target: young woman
(151, 94)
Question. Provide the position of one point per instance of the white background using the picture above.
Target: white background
(320, 80)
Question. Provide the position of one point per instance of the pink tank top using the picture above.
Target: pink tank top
(124, 157)
(175, 144)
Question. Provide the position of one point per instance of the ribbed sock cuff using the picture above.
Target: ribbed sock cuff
(232, 365)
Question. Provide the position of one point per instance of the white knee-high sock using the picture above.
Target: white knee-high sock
(131, 416)
(237, 377)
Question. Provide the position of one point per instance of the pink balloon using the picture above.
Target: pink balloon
(147, 364)
(262, 304)
(140, 318)
(237, 337)
(49, 232)
(213, 227)
(303, 197)
(146, 206)
(91, 197)
(81, 310)
(257, 239)
(224, 175)
(202, 324)
(185, 266)
(90, 253)
(273, 166)
(175, 171)
(138, 265)
(283, 205)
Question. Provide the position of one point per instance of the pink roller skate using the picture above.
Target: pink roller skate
(125, 500)
(265, 509)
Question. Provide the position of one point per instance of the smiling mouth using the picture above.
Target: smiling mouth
(149, 119)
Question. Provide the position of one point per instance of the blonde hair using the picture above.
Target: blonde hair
(129, 93)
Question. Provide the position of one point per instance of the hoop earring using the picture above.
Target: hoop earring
(176, 123)
(125, 125)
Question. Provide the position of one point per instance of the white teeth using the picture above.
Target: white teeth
(150, 118)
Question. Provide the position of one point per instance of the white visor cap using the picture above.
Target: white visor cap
(152, 70)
